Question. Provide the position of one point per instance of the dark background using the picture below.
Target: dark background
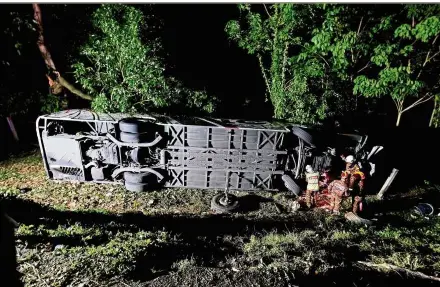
(202, 56)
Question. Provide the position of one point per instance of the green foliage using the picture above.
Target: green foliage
(122, 69)
(318, 59)
(270, 39)
(50, 104)
(405, 65)
(313, 51)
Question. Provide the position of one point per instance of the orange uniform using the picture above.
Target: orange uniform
(354, 175)
(337, 189)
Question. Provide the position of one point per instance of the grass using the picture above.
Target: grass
(82, 233)
(184, 264)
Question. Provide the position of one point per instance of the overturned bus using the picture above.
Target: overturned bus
(150, 151)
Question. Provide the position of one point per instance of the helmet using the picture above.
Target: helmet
(349, 159)
(344, 175)
(309, 168)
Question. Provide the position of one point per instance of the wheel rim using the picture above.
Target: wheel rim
(225, 201)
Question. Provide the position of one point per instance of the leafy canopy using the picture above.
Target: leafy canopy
(121, 66)
(309, 55)
(405, 60)
(271, 36)
(320, 60)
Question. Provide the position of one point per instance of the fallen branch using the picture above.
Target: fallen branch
(387, 266)
(72, 88)
(48, 58)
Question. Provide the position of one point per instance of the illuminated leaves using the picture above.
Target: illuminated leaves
(122, 69)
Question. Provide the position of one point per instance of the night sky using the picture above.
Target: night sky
(201, 55)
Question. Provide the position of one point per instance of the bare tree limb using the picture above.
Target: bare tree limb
(263, 71)
(267, 11)
(72, 88)
(397, 106)
(386, 266)
(428, 59)
(363, 68)
(48, 58)
(433, 56)
(435, 39)
(434, 112)
(421, 100)
(360, 25)
(424, 64)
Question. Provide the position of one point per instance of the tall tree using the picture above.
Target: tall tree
(273, 35)
(121, 66)
(309, 55)
(325, 60)
(406, 60)
(56, 81)
(335, 51)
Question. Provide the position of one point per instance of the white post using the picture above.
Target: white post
(387, 183)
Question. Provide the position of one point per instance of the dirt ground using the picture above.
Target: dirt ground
(81, 234)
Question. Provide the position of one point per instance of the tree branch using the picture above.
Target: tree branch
(317, 54)
(423, 99)
(434, 112)
(267, 11)
(427, 60)
(366, 66)
(433, 56)
(283, 68)
(72, 88)
(387, 266)
(48, 58)
(399, 105)
(435, 39)
(263, 71)
(395, 102)
(360, 25)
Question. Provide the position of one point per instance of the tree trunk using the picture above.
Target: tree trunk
(399, 115)
(434, 113)
(48, 58)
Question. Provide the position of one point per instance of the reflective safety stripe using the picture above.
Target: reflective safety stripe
(312, 181)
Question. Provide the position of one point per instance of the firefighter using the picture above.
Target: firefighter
(325, 178)
(337, 189)
(312, 178)
(354, 178)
